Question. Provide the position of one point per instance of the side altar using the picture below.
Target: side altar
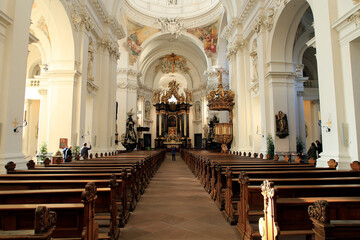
(172, 117)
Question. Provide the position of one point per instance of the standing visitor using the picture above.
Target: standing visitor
(173, 152)
(68, 154)
(312, 151)
(318, 147)
(85, 151)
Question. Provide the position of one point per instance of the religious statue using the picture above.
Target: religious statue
(188, 95)
(197, 111)
(156, 96)
(211, 135)
(255, 68)
(129, 139)
(90, 60)
(147, 110)
(282, 129)
(206, 131)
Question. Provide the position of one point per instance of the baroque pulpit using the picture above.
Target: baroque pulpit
(172, 117)
(220, 100)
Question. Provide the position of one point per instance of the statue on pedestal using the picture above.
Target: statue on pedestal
(129, 138)
(282, 129)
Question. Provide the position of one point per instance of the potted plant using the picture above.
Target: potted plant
(299, 146)
(77, 153)
(42, 153)
(270, 147)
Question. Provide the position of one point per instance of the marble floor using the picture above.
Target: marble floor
(176, 207)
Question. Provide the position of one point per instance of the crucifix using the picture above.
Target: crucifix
(328, 123)
(15, 123)
(173, 58)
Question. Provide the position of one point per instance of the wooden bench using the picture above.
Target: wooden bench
(105, 202)
(327, 227)
(41, 224)
(290, 204)
(69, 173)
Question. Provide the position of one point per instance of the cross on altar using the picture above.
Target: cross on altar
(328, 123)
(15, 123)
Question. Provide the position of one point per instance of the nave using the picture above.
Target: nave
(175, 206)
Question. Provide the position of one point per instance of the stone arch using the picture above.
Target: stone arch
(280, 44)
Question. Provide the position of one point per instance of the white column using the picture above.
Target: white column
(329, 72)
(234, 81)
(263, 93)
(300, 116)
(281, 89)
(14, 39)
(241, 104)
(102, 99)
(43, 118)
(61, 110)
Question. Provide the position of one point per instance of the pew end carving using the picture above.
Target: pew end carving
(10, 166)
(47, 162)
(30, 164)
(332, 163)
(355, 166)
(267, 226)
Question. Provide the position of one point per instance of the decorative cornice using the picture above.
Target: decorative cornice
(80, 17)
(247, 7)
(229, 28)
(190, 22)
(101, 11)
(127, 71)
(233, 47)
(127, 85)
(118, 29)
(355, 18)
(111, 46)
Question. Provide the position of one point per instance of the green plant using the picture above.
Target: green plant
(270, 146)
(43, 152)
(76, 151)
(299, 145)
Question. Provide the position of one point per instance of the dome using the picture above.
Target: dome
(173, 8)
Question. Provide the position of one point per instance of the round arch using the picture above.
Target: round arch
(281, 45)
(59, 45)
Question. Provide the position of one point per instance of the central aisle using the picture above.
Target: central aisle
(175, 206)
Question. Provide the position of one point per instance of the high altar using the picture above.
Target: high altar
(172, 117)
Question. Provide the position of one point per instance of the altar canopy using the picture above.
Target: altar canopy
(172, 116)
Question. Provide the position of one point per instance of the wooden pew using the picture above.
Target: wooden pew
(42, 224)
(290, 203)
(104, 200)
(68, 173)
(119, 185)
(326, 227)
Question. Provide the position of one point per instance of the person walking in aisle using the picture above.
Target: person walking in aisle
(173, 152)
